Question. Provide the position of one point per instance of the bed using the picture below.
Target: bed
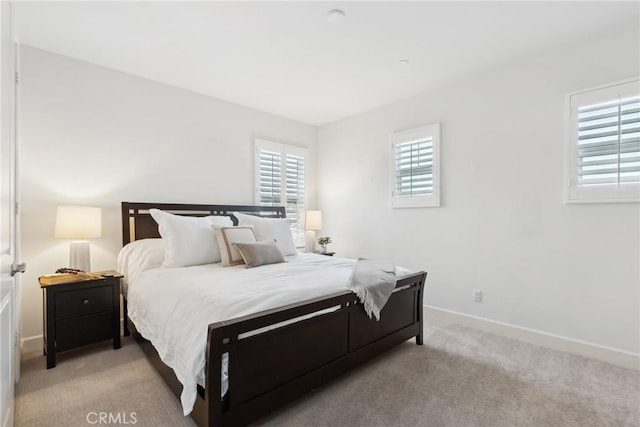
(273, 356)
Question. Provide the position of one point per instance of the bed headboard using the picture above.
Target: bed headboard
(138, 224)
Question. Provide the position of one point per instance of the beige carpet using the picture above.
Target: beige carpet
(460, 377)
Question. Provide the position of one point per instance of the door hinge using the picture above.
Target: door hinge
(16, 340)
(17, 78)
(17, 208)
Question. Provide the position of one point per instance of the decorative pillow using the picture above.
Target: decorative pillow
(227, 236)
(278, 229)
(260, 253)
(188, 240)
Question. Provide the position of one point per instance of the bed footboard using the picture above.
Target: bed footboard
(273, 367)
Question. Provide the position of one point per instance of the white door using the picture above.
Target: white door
(8, 235)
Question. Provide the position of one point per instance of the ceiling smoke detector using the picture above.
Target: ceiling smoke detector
(335, 16)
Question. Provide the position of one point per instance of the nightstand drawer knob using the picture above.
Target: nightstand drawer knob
(86, 301)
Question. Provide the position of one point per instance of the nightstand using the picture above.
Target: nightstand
(81, 312)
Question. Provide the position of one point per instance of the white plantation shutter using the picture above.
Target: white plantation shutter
(415, 167)
(609, 142)
(295, 191)
(270, 178)
(605, 144)
(280, 180)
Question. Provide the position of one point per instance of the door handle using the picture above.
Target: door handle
(18, 268)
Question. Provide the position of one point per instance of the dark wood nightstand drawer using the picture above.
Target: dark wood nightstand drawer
(83, 330)
(83, 301)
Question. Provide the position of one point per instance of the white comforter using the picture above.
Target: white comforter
(172, 307)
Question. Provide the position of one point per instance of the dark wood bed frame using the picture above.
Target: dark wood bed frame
(272, 368)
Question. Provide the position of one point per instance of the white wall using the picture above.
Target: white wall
(570, 270)
(93, 136)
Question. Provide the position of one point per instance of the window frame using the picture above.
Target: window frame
(284, 150)
(574, 193)
(419, 201)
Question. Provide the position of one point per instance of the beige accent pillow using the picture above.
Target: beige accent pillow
(260, 253)
(227, 236)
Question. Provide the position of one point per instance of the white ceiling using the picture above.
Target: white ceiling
(286, 59)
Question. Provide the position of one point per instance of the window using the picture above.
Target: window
(604, 144)
(280, 180)
(415, 180)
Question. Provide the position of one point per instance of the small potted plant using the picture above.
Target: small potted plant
(323, 242)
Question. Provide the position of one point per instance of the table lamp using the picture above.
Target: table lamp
(79, 223)
(312, 223)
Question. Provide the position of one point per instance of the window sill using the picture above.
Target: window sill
(625, 193)
(415, 202)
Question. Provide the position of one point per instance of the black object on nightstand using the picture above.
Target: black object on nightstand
(81, 312)
(327, 253)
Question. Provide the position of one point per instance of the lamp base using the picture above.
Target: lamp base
(80, 255)
(310, 244)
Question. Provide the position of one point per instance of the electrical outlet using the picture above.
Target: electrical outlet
(477, 296)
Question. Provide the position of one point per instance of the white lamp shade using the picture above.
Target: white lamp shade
(313, 220)
(78, 222)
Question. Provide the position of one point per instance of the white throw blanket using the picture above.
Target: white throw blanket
(373, 281)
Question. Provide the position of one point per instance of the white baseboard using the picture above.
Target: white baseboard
(31, 344)
(441, 317)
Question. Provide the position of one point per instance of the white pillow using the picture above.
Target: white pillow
(188, 240)
(227, 236)
(138, 256)
(278, 229)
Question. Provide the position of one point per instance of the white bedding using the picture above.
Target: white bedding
(138, 257)
(172, 307)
